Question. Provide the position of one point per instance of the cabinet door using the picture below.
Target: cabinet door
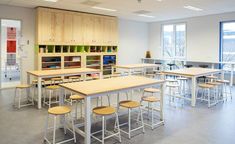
(58, 27)
(113, 32)
(77, 29)
(88, 29)
(68, 28)
(45, 26)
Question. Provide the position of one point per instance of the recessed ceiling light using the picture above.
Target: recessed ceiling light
(105, 9)
(159, 0)
(193, 8)
(51, 0)
(148, 16)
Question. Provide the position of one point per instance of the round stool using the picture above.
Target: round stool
(151, 100)
(227, 90)
(51, 89)
(56, 81)
(35, 84)
(78, 99)
(104, 111)
(129, 104)
(60, 111)
(74, 78)
(18, 93)
(207, 87)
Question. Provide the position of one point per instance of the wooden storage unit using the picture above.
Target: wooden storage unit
(68, 39)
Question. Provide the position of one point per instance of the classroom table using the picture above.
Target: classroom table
(131, 67)
(103, 87)
(40, 74)
(194, 73)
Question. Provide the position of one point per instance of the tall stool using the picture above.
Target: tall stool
(78, 99)
(18, 93)
(211, 78)
(183, 82)
(35, 84)
(151, 100)
(52, 89)
(218, 89)
(74, 78)
(129, 104)
(60, 111)
(57, 80)
(174, 90)
(105, 111)
(227, 90)
(207, 88)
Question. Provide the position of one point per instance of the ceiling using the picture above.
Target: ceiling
(164, 10)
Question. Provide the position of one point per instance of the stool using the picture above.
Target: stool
(182, 82)
(227, 90)
(60, 111)
(207, 87)
(55, 80)
(20, 88)
(218, 89)
(105, 111)
(78, 99)
(74, 78)
(129, 104)
(211, 78)
(35, 84)
(52, 89)
(151, 100)
(188, 66)
(171, 65)
(174, 92)
(159, 74)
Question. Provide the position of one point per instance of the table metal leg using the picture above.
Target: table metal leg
(39, 93)
(231, 76)
(194, 83)
(87, 120)
(162, 101)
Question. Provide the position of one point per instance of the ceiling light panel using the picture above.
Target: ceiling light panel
(192, 8)
(104, 9)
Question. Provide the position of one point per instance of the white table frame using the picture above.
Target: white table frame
(194, 82)
(87, 105)
(39, 80)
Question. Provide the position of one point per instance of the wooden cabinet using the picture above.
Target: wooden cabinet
(49, 26)
(60, 27)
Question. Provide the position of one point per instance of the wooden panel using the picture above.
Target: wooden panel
(58, 27)
(77, 28)
(68, 28)
(88, 29)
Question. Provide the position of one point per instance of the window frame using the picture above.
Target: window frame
(174, 33)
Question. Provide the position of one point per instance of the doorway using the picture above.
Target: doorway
(10, 59)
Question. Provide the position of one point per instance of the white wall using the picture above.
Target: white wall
(27, 17)
(202, 36)
(133, 41)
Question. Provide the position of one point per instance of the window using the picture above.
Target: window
(227, 46)
(174, 41)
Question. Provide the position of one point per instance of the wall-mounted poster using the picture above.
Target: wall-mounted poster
(11, 33)
(11, 46)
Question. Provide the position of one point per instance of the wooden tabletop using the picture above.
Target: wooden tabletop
(132, 66)
(88, 88)
(41, 73)
(194, 71)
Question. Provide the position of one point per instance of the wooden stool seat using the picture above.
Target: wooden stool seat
(152, 90)
(53, 87)
(129, 104)
(151, 99)
(211, 77)
(59, 110)
(76, 97)
(172, 85)
(104, 110)
(36, 81)
(214, 83)
(115, 75)
(223, 81)
(22, 86)
(182, 78)
(204, 85)
(56, 79)
(171, 80)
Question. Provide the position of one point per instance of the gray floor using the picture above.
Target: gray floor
(186, 125)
